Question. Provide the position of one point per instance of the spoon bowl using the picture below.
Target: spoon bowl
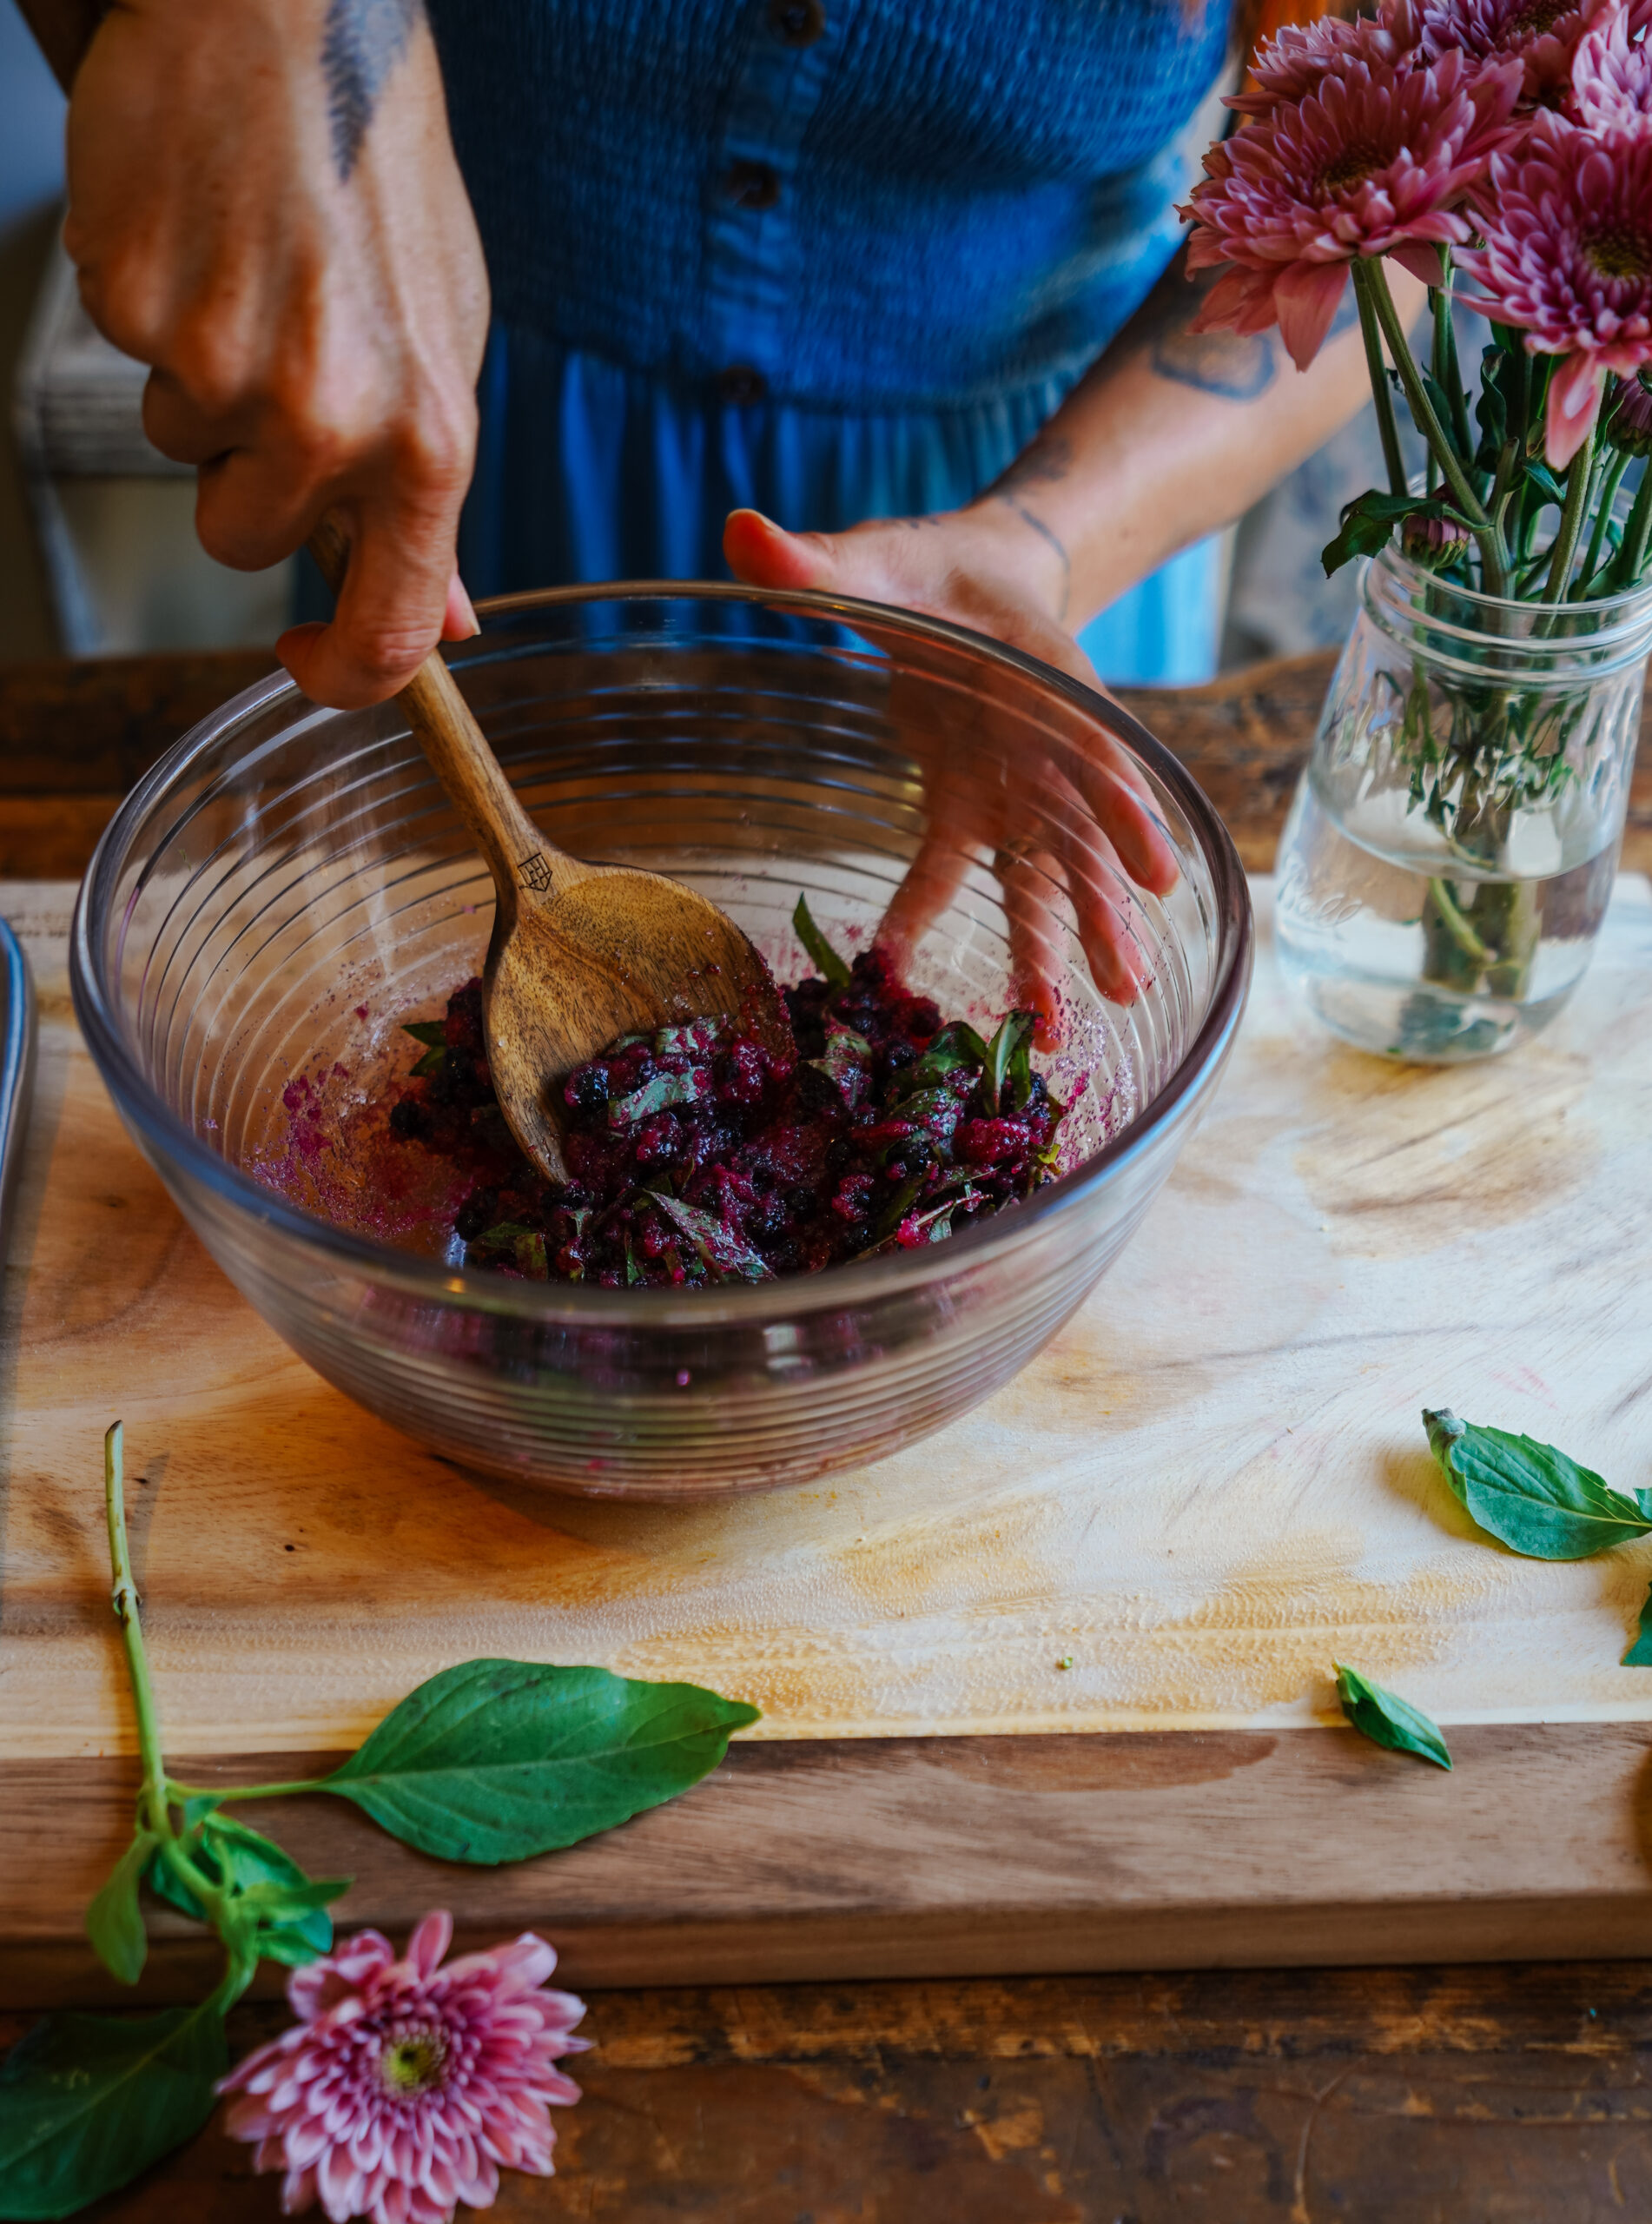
(581, 954)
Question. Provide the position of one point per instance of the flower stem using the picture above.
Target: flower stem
(124, 1600)
(1382, 397)
(1625, 570)
(1609, 486)
(1571, 520)
(1458, 927)
(154, 1811)
(1492, 558)
(1448, 372)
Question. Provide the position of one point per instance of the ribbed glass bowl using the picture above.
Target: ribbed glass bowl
(289, 883)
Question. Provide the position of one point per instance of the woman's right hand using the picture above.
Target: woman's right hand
(264, 206)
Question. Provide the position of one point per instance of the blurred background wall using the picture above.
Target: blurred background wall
(32, 175)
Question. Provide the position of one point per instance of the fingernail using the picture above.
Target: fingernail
(463, 623)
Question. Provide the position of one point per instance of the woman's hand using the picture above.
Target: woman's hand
(1089, 828)
(264, 206)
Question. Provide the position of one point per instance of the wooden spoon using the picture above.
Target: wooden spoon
(580, 953)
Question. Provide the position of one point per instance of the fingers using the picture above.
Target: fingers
(763, 555)
(1038, 961)
(396, 603)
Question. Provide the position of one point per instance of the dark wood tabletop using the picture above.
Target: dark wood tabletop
(1501, 2094)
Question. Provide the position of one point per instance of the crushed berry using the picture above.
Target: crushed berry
(695, 1155)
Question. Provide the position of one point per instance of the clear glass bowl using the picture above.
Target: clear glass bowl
(289, 883)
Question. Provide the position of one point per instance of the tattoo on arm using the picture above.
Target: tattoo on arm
(1239, 366)
(1045, 534)
(361, 43)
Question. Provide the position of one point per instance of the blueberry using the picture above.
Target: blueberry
(407, 1119)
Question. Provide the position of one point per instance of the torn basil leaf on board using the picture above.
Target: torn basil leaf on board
(1531, 1497)
(1387, 1719)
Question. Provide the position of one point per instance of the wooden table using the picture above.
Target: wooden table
(1496, 2092)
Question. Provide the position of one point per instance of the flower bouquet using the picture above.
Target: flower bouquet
(1451, 847)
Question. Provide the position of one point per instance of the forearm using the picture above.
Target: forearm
(1171, 435)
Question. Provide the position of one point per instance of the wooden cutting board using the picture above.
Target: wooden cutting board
(1141, 1558)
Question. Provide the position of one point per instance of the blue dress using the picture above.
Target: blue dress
(834, 259)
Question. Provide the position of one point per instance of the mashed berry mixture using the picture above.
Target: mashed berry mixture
(694, 1157)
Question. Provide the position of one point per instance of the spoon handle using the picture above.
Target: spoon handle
(517, 853)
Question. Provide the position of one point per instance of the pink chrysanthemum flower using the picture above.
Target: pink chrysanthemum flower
(1568, 254)
(1542, 34)
(1372, 163)
(406, 2085)
(1611, 79)
(1295, 61)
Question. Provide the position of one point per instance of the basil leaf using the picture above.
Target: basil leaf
(1530, 1496)
(1388, 1720)
(848, 1062)
(1008, 1045)
(433, 1033)
(658, 1095)
(696, 1037)
(824, 959)
(114, 1921)
(87, 2101)
(1640, 1654)
(722, 1251)
(498, 1760)
(431, 1062)
(956, 1045)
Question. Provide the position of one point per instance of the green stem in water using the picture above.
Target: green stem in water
(1571, 521)
(1608, 497)
(1458, 927)
(1381, 394)
(1493, 560)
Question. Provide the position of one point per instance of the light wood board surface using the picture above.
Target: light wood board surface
(1212, 1484)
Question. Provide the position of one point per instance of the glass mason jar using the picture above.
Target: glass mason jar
(1449, 855)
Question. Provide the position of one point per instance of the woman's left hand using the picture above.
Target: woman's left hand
(1092, 828)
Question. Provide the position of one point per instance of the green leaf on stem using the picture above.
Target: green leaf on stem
(1387, 1719)
(87, 2101)
(1531, 1497)
(824, 959)
(1640, 1654)
(498, 1760)
(114, 1920)
(290, 1910)
(1368, 521)
(431, 1062)
(433, 1033)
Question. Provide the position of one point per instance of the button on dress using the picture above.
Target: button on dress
(833, 259)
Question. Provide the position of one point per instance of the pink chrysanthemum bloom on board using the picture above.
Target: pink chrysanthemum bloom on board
(1568, 255)
(1611, 80)
(1373, 162)
(1542, 34)
(1298, 58)
(405, 2085)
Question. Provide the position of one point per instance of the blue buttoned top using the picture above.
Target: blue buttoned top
(835, 259)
